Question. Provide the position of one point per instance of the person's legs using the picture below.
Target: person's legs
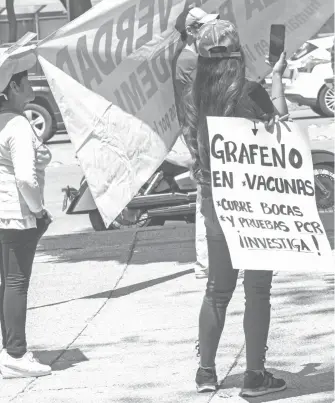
(201, 266)
(18, 250)
(220, 287)
(221, 284)
(257, 286)
(257, 381)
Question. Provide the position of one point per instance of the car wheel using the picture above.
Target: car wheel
(324, 195)
(40, 120)
(327, 101)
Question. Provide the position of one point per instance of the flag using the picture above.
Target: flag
(110, 73)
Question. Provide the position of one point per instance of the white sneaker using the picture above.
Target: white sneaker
(200, 271)
(24, 367)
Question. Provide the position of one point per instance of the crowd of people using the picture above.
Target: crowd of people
(209, 80)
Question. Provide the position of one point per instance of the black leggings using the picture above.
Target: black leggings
(17, 253)
(221, 284)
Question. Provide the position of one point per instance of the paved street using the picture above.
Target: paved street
(116, 315)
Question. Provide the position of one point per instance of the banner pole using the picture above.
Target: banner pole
(68, 10)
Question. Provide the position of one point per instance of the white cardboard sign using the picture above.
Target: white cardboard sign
(263, 192)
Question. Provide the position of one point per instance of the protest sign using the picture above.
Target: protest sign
(264, 197)
(110, 72)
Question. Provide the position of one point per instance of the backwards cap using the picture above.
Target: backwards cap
(218, 39)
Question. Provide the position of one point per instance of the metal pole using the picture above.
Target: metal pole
(37, 21)
(68, 10)
(37, 26)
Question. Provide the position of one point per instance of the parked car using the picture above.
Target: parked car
(309, 88)
(310, 67)
(43, 113)
(168, 195)
(322, 145)
(312, 52)
(304, 78)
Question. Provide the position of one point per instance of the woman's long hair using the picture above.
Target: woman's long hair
(215, 92)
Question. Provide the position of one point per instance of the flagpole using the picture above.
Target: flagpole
(68, 9)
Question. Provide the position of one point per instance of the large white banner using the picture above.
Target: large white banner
(302, 19)
(263, 192)
(110, 73)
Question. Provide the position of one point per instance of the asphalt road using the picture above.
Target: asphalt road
(65, 170)
(99, 312)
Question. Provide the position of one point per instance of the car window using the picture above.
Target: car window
(304, 50)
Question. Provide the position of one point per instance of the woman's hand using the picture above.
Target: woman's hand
(277, 90)
(44, 214)
(273, 120)
(42, 223)
(280, 66)
(48, 215)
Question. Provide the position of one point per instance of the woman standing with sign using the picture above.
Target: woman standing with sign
(23, 219)
(221, 89)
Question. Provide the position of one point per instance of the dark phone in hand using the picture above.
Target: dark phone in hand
(277, 42)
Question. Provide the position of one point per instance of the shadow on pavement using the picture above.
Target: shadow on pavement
(305, 382)
(123, 291)
(164, 252)
(132, 341)
(60, 359)
(170, 244)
